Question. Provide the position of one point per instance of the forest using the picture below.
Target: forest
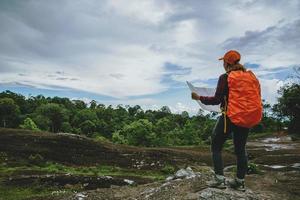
(134, 126)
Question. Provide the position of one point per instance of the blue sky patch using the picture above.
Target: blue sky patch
(251, 65)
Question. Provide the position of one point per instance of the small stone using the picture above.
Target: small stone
(81, 196)
(169, 178)
(130, 182)
(85, 184)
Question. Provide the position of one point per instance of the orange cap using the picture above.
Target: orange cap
(231, 57)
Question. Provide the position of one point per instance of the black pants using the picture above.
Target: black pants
(240, 135)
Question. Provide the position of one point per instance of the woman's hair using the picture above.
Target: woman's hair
(234, 67)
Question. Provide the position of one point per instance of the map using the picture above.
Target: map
(205, 92)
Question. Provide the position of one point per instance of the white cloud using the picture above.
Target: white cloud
(119, 48)
(269, 89)
(179, 107)
(149, 11)
(84, 99)
(186, 33)
(273, 47)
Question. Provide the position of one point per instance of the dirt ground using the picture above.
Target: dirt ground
(258, 187)
(277, 160)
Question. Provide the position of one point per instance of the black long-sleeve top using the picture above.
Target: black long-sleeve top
(221, 92)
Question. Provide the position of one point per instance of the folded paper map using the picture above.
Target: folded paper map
(205, 92)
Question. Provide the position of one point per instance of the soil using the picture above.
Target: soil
(277, 157)
(78, 150)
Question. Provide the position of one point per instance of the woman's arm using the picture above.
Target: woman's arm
(219, 94)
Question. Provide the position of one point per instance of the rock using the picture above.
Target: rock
(186, 173)
(81, 196)
(183, 174)
(130, 182)
(169, 178)
(296, 165)
(227, 194)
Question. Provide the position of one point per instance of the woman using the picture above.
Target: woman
(224, 125)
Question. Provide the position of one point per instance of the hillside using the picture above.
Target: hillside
(42, 165)
(79, 150)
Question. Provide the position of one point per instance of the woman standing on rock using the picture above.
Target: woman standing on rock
(238, 93)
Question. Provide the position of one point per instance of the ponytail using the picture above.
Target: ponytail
(235, 67)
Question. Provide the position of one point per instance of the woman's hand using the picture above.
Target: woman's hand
(195, 96)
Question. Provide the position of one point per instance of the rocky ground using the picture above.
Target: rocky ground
(38, 165)
(193, 187)
(185, 185)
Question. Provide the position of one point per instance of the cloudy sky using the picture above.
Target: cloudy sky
(142, 51)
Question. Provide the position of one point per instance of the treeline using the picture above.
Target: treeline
(122, 124)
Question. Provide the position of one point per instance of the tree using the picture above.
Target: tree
(79, 104)
(134, 110)
(289, 106)
(191, 132)
(35, 102)
(174, 137)
(103, 128)
(120, 118)
(84, 115)
(41, 121)
(56, 115)
(87, 127)
(139, 133)
(93, 104)
(18, 100)
(165, 109)
(106, 120)
(163, 112)
(63, 101)
(9, 112)
(66, 127)
(185, 114)
(164, 125)
(29, 124)
(118, 138)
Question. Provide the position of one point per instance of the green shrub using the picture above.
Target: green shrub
(100, 138)
(66, 127)
(29, 124)
(253, 169)
(168, 169)
(118, 138)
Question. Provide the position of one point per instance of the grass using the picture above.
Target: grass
(36, 191)
(20, 193)
(100, 170)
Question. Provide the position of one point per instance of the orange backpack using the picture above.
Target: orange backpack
(244, 101)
